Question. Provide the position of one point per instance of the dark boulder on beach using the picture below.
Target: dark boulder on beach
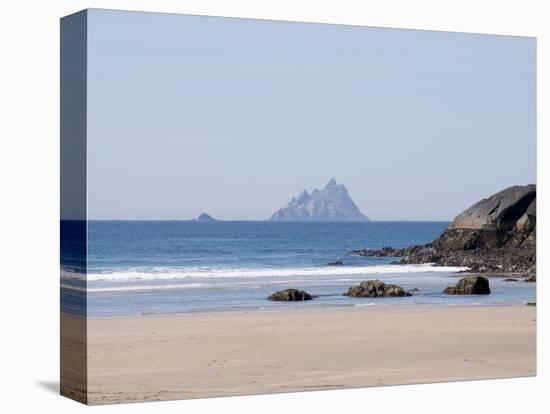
(290, 295)
(376, 288)
(470, 285)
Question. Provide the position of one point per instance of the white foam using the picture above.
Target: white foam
(71, 274)
(175, 273)
(133, 287)
(146, 287)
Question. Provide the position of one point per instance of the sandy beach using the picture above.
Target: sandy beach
(196, 355)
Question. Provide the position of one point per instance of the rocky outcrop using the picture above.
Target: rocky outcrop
(376, 288)
(504, 260)
(290, 295)
(332, 203)
(497, 234)
(470, 285)
(506, 218)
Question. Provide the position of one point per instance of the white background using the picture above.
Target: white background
(29, 194)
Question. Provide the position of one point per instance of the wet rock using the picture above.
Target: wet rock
(531, 279)
(503, 260)
(290, 295)
(510, 279)
(470, 285)
(376, 288)
(336, 263)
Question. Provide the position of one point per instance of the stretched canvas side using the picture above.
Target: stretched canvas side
(73, 225)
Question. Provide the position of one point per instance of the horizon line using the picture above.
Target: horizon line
(257, 220)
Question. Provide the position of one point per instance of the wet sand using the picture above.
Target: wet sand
(196, 355)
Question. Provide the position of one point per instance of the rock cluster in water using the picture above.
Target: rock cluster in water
(497, 234)
(469, 285)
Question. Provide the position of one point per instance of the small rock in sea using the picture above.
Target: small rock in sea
(376, 288)
(531, 303)
(510, 279)
(470, 285)
(531, 279)
(336, 263)
(290, 295)
(414, 290)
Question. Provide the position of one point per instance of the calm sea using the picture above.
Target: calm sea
(142, 267)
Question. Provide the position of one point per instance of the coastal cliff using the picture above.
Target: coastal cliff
(497, 234)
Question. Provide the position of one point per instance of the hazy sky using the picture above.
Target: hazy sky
(234, 116)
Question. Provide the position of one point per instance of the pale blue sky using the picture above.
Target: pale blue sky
(234, 116)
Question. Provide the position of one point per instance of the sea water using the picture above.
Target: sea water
(144, 267)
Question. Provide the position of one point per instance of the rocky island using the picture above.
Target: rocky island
(205, 218)
(496, 235)
(332, 203)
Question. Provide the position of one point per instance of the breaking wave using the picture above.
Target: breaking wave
(178, 273)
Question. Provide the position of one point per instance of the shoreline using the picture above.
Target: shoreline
(309, 308)
(211, 354)
(328, 292)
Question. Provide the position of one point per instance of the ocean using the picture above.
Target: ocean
(155, 267)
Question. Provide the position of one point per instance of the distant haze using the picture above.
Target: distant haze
(234, 117)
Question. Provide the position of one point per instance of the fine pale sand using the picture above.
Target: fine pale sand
(235, 353)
